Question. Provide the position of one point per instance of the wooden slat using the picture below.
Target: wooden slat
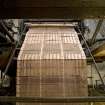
(51, 63)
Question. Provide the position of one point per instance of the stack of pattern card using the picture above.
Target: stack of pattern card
(51, 63)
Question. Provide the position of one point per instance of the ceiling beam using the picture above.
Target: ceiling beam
(52, 3)
(58, 9)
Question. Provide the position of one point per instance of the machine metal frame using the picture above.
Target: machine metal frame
(53, 100)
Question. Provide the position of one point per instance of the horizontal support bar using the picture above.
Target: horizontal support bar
(47, 24)
(51, 20)
(52, 100)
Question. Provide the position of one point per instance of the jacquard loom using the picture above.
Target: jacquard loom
(51, 63)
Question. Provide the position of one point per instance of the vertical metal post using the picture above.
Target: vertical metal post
(92, 77)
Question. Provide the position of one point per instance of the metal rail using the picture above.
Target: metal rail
(52, 100)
